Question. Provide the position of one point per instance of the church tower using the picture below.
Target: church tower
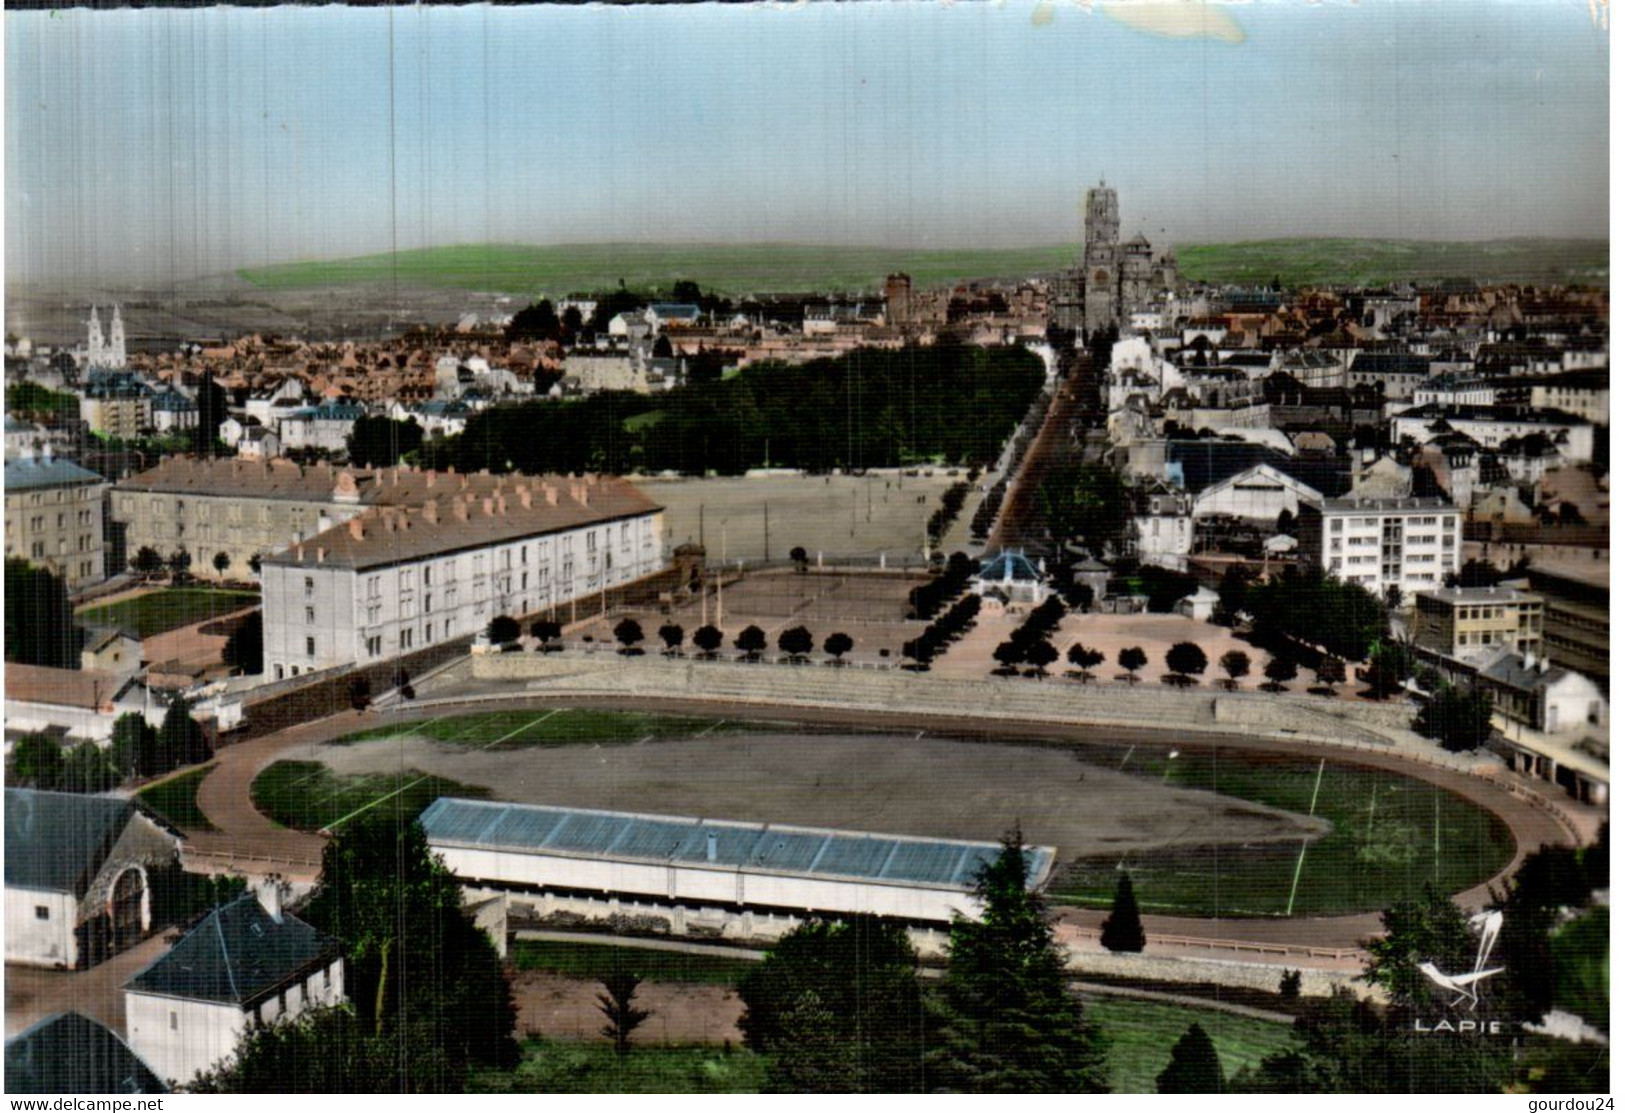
(115, 346)
(1100, 259)
(95, 353)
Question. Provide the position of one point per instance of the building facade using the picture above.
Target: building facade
(54, 511)
(395, 580)
(1405, 545)
(1454, 620)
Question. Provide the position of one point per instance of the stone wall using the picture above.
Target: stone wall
(1098, 962)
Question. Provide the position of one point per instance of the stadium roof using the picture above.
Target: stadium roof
(756, 847)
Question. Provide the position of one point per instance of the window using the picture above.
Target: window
(428, 633)
(310, 616)
(406, 639)
(310, 586)
(174, 1021)
(310, 647)
(42, 912)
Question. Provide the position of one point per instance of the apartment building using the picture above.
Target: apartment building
(1454, 620)
(1405, 545)
(395, 580)
(54, 518)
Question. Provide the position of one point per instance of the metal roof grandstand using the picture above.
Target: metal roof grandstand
(714, 843)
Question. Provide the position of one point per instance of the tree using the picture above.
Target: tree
(796, 641)
(535, 322)
(838, 645)
(920, 650)
(1390, 666)
(332, 1051)
(672, 635)
(222, 561)
(1331, 671)
(1085, 501)
(1122, 931)
(36, 762)
(1009, 655)
(86, 769)
(799, 556)
(245, 648)
(1311, 608)
(1133, 659)
(501, 630)
(178, 563)
(1041, 655)
(1193, 1067)
(545, 631)
(211, 411)
(1237, 664)
(181, 740)
(360, 692)
(147, 561)
(616, 1004)
(1187, 661)
(134, 749)
(1431, 929)
(708, 639)
(1458, 717)
(1085, 660)
(751, 641)
(1291, 985)
(1010, 1024)
(1233, 592)
(402, 682)
(1280, 671)
(838, 1007)
(628, 631)
(39, 618)
(380, 442)
(414, 957)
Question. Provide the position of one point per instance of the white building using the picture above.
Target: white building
(395, 580)
(326, 427)
(744, 880)
(1491, 427)
(80, 872)
(244, 965)
(1408, 544)
(1257, 494)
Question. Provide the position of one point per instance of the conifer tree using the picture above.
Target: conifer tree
(1194, 1067)
(1122, 930)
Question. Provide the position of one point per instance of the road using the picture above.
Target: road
(224, 797)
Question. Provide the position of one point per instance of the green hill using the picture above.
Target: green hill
(737, 269)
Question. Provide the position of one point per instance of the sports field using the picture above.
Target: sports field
(167, 609)
(513, 730)
(1390, 836)
(307, 796)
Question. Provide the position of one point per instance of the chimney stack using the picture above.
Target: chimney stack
(269, 893)
(710, 846)
(431, 512)
(485, 505)
(357, 530)
(459, 510)
(552, 495)
(321, 554)
(524, 497)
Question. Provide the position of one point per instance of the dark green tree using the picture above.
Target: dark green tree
(1132, 659)
(1236, 665)
(1457, 716)
(147, 561)
(1390, 666)
(134, 749)
(1193, 1067)
(797, 641)
(838, 645)
(1041, 655)
(222, 561)
(1010, 1025)
(671, 635)
(501, 630)
(414, 957)
(1186, 661)
(708, 639)
(36, 762)
(838, 1007)
(1432, 929)
(245, 648)
(332, 1051)
(1085, 660)
(39, 619)
(621, 1015)
(545, 630)
(1122, 931)
(86, 768)
(628, 631)
(181, 740)
(1331, 671)
(1280, 671)
(380, 442)
(1233, 592)
(1087, 502)
(751, 642)
(1291, 985)
(212, 403)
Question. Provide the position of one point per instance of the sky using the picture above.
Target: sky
(156, 145)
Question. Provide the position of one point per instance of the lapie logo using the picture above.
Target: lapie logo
(1464, 987)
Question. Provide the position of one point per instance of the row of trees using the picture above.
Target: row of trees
(930, 597)
(943, 631)
(795, 642)
(953, 500)
(869, 408)
(136, 750)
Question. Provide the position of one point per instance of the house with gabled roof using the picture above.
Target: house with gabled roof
(246, 964)
(86, 876)
(69, 1053)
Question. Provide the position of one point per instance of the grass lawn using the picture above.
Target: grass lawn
(592, 961)
(176, 800)
(518, 729)
(308, 796)
(168, 608)
(1378, 262)
(552, 1067)
(1391, 836)
(1143, 1034)
(1580, 948)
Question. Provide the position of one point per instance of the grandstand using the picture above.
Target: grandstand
(704, 876)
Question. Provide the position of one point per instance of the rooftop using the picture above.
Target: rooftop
(754, 847)
(1334, 506)
(1472, 596)
(69, 1053)
(57, 841)
(29, 473)
(237, 954)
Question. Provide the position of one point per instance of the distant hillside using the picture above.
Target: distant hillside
(734, 270)
(1300, 262)
(728, 269)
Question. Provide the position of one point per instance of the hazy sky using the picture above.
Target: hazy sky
(154, 144)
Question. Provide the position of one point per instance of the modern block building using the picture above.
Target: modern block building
(54, 511)
(1454, 620)
(705, 876)
(1405, 544)
(395, 580)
